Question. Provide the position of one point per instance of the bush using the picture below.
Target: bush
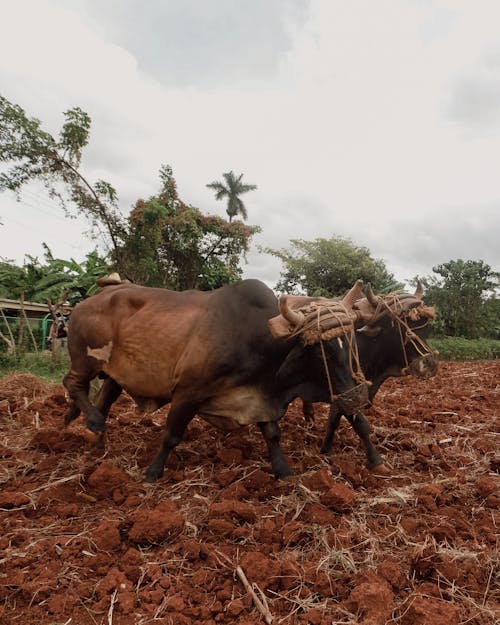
(458, 348)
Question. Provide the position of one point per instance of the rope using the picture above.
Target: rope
(327, 371)
(409, 334)
(312, 332)
(357, 372)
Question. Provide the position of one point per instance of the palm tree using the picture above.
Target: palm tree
(232, 189)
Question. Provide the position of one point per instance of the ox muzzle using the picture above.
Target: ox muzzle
(423, 367)
(353, 400)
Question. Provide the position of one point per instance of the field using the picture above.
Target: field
(84, 541)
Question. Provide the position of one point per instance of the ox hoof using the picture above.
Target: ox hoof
(93, 438)
(283, 473)
(152, 475)
(381, 470)
(98, 427)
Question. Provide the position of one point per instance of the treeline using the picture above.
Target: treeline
(465, 296)
(463, 292)
(166, 242)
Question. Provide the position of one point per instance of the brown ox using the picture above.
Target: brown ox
(208, 353)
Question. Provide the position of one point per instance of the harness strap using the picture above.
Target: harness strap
(357, 372)
(327, 371)
(409, 334)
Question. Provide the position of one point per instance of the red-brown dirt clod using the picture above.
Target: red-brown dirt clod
(83, 540)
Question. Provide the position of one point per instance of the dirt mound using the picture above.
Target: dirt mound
(84, 540)
(17, 386)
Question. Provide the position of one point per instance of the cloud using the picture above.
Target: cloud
(414, 245)
(373, 121)
(475, 98)
(193, 42)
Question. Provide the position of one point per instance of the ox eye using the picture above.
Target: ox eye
(341, 344)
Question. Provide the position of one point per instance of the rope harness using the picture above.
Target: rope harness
(323, 323)
(393, 305)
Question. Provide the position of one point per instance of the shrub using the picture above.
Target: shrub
(458, 348)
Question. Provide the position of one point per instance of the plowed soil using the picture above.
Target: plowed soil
(84, 541)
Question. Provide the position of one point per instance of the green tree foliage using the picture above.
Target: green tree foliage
(329, 267)
(31, 154)
(164, 242)
(231, 190)
(173, 245)
(15, 280)
(50, 280)
(464, 293)
(491, 317)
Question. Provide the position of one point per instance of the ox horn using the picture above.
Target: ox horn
(370, 295)
(296, 319)
(419, 290)
(354, 294)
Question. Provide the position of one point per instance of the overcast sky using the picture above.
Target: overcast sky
(376, 121)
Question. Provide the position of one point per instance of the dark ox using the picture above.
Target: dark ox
(391, 344)
(207, 353)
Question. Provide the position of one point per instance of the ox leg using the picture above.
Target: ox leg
(272, 435)
(362, 429)
(178, 419)
(334, 418)
(78, 390)
(72, 413)
(108, 394)
(308, 411)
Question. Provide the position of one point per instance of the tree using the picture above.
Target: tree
(77, 280)
(233, 188)
(171, 244)
(465, 296)
(32, 154)
(10, 278)
(164, 242)
(41, 282)
(329, 267)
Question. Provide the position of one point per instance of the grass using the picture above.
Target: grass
(52, 367)
(459, 349)
(46, 365)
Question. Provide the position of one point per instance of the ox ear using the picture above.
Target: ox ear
(363, 311)
(371, 331)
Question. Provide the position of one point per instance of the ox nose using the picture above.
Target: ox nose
(353, 400)
(424, 367)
